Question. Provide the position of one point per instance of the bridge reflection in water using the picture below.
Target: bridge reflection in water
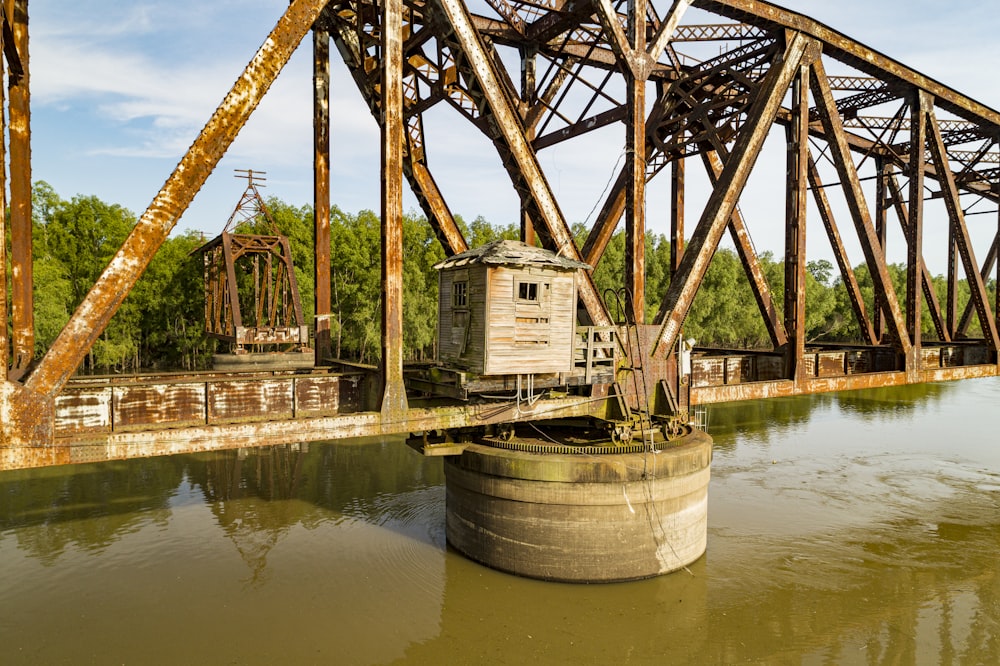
(854, 528)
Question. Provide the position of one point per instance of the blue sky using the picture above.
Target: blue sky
(121, 89)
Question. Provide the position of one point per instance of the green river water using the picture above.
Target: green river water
(854, 528)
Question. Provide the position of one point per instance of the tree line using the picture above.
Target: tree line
(160, 326)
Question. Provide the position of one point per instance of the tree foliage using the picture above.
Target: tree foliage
(160, 325)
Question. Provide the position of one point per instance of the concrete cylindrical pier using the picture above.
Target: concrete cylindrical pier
(581, 517)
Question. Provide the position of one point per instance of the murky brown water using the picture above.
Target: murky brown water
(859, 528)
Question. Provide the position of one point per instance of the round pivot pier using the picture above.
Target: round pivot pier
(590, 516)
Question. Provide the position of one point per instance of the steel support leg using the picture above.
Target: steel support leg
(321, 189)
(393, 395)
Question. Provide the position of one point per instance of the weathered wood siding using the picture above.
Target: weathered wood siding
(462, 331)
(530, 337)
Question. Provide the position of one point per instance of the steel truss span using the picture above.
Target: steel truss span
(690, 84)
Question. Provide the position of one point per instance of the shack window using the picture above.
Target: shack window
(460, 294)
(527, 291)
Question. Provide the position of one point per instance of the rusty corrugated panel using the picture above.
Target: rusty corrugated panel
(930, 357)
(159, 405)
(739, 369)
(708, 371)
(810, 364)
(325, 396)
(830, 364)
(83, 411)
(262, 399)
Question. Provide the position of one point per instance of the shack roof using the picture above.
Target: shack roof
(511, 253)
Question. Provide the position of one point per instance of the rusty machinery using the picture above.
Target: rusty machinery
(251, 296)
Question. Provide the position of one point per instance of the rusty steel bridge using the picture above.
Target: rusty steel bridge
(866, 138)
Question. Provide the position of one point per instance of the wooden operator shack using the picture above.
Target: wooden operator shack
(507, 308)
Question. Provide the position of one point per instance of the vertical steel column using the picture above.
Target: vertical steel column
(881, 208)
(676, 213)
(951, 299)
(920, 103)
(796, 194)
(529, 87)
(19, 129)
(635, 167)
(4, 335)
(321, 188)
(393, 394)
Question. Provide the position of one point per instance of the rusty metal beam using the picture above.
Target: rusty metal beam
(839, 46)
(920, 104)
(6, 39)
(635, 167)
(393, 405)
(677, 174)
(321, 190)
(881, 171)
(606, 222)
(529, 86)
(93, 447)
(961, 236)
(988, 263)
(748, 257)
(951, 295)
(796, 197)
(902, 214)
(786, 388)
(103, 300)
(415, 168)
(840, 254)
(425, 188)
(860, 213)
(722, 202)
(666, 29)
(231, 285)
(19, 131)
(529, 171)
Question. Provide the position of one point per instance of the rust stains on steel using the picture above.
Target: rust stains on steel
(786, 388)
(321, 191)
(231, 433)
(765, 14)
(103, 300)
(393, 404)
(19, 129)
(721, 204)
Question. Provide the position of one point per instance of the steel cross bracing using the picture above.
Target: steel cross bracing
(710, 79)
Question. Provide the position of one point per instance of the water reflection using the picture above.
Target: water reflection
(55, 508)
(851, 528)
